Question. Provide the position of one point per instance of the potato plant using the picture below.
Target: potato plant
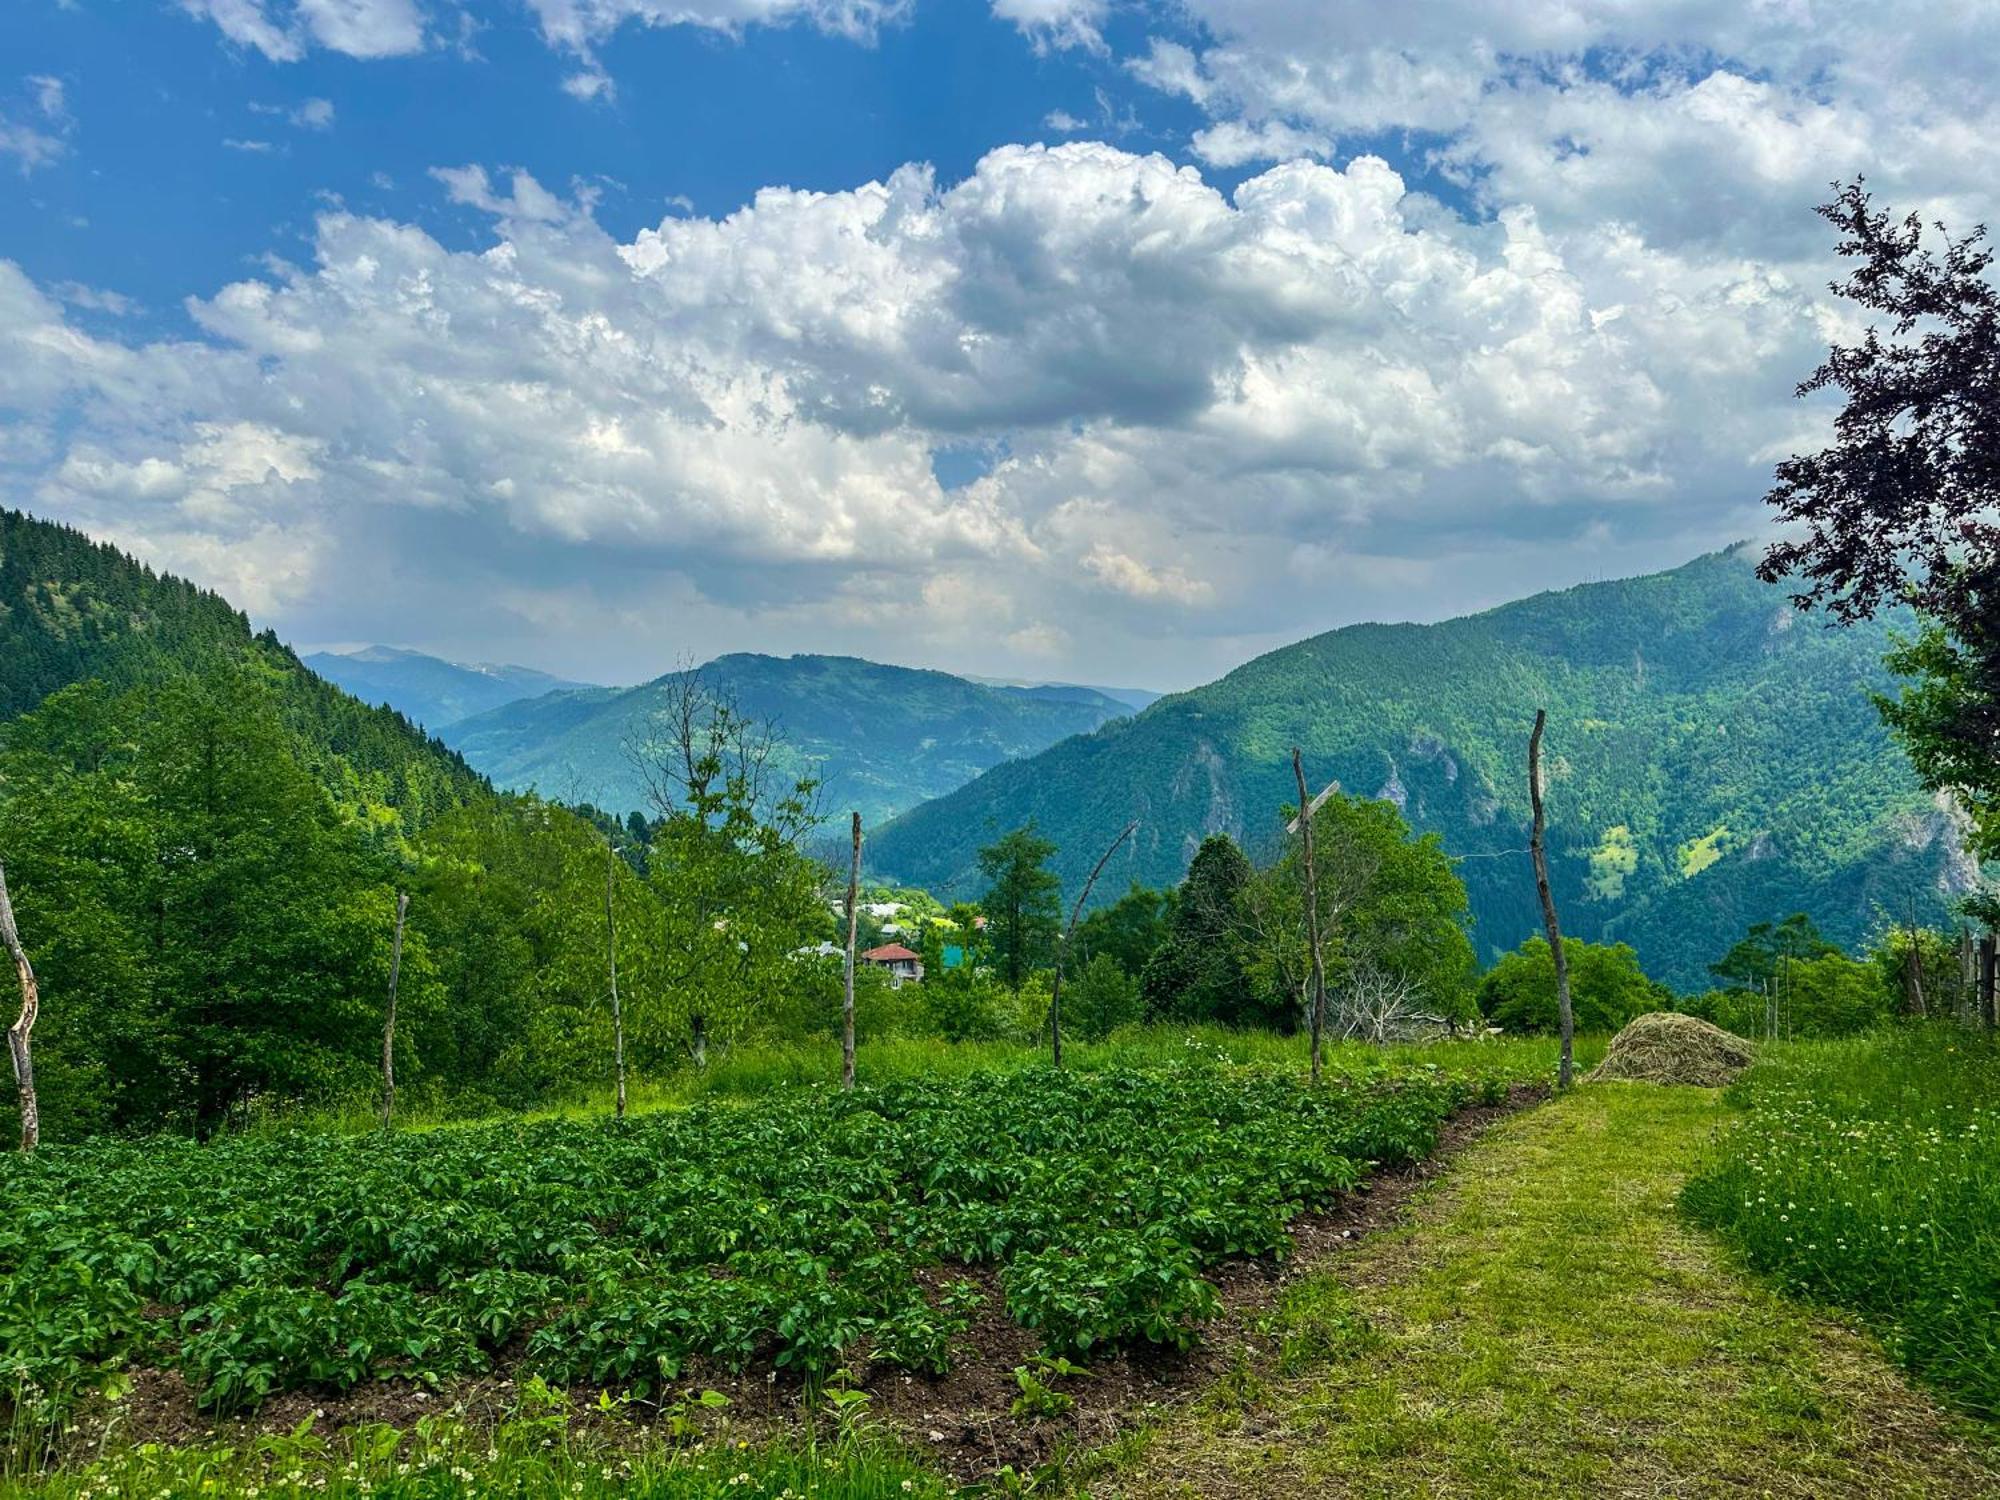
(788, 1233)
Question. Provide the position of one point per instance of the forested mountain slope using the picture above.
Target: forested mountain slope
(882, 738)
(73, 609)
(429, 690)
(1715, 760)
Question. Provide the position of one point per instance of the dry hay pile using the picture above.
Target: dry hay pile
(1662, 1047)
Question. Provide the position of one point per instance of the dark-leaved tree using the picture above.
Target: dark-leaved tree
(1904, 504)
(1197, 974)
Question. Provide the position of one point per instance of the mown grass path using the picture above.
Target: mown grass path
(1547, 1324)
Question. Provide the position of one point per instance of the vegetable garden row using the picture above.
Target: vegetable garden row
(790, 1230)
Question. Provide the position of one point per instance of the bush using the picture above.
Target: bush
(1100, 1000)
(1606, 985)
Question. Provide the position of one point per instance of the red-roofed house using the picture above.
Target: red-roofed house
(901, 963)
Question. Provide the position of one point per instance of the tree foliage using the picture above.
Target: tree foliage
(1607, 987)
(1198, 973)
(1390, 904)
(1904, 504)
(1022, 903)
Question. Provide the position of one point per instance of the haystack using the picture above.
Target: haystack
(1662, 1047)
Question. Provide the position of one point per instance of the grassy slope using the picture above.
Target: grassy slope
(1548, 1325)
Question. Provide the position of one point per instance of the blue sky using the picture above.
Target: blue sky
(1090, 338)
(154, 202)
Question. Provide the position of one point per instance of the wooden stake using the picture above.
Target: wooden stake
(617, 1010)
(18, 1034)
(1069, 934)
(1565, 1015)
(1305, 824)
(847, 994)
(389, 1025)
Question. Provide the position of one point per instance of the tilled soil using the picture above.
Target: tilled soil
(963, 1419)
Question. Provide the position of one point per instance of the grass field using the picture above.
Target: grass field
(1866, 1176)
(1549, 1324)
(755, 1069)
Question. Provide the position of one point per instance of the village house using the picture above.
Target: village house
(901, 963)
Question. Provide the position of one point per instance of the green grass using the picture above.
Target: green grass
(756, 1069)
(1549, 1324)
(533, 1458)
(1867, 1176)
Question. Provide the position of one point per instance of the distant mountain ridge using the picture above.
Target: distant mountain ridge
(1715, 759)
(429, 690)
(882, 738)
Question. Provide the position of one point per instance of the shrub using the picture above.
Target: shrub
(1606, 985)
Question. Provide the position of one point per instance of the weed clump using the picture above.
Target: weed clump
(1664, 1047)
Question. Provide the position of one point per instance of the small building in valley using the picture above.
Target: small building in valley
(901, 963)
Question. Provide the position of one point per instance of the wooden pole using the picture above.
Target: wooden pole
(1069, 934)
(1566, 1017)
(1989, 980)
(389, 1024)
(847, 990)
(611, 949)
(1915, 978)
(18, 1034)
(1318, 1009)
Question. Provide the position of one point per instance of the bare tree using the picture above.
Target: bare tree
(1317, 957)
(19, 1033)
(1566, 1016)
(1378, 1004)
(389, 1023)
(611, 956)
(1069, 936)
(847, 976)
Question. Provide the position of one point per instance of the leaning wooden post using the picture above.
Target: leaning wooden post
(389, 1025)
(18, 1034)
(1069, 936)
(617, 1010)
(847, 978)
(1535, 847)
(1306, 810)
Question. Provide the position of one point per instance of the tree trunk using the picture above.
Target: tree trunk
(19, 1033)
(1069, 936)
(611, 953)
(698, 1040)
(1565, 1016)
(389, 1024)
(1318, 1010)
(847, 978)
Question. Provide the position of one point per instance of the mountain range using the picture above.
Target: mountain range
(427, 689)
(880, 738)
(1714, 759)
